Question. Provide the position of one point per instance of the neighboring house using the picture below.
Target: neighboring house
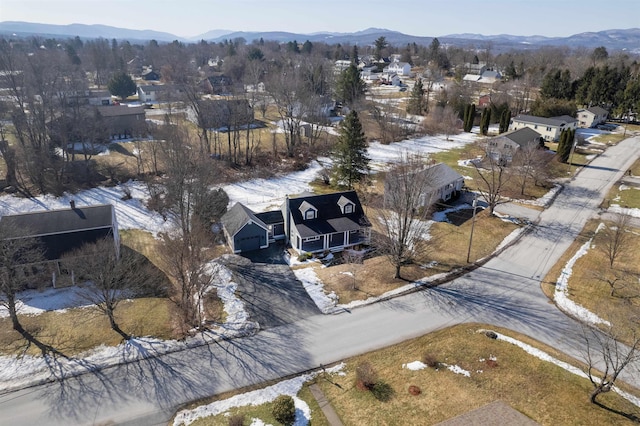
(486, 77)
(221, 114)
(591, 117)
(341, 65)
(99, 98)
(153, 93)
(310, 223)
(502, 148)
(328, 222)
(399, 68)
(549, 128)
(65, 230)
(218, 84)
(150, 75)
(444, 184)
(123, 122)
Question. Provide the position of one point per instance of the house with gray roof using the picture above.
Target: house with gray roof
(444, 184)
(63, 231)
(502, 148)
(591, 117)
(549, 128)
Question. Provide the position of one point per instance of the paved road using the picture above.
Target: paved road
(504, 292)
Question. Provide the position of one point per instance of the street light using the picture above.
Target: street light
(473, 224)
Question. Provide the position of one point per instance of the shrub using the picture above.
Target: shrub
(236, 420)
(382, 391)
(430, 360)
(414, 390)
(304, 256)
(366, 376)
(284, 410)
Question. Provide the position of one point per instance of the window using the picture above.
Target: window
(348, 208)
(548, 129)
(316, 238)
(310, 214)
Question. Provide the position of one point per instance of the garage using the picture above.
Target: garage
(248, 243)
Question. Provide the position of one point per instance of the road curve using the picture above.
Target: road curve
(505, 292)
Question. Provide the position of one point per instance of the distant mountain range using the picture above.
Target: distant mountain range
(625, 39)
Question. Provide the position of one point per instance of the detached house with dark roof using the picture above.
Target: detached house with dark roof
(65, 230)
(310, 223)
(549, 128)
(328, 222)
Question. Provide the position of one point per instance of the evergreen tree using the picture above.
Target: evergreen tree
(564, 145)
(416, 102)
(354, 55)
(307, 47)
(121, 85)
(350, 161)
(380, 45)
(485, 119)
(350, 87)
(505, 119)
(472, 117)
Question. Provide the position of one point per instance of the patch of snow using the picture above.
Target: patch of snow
(315, 288)
(130, 214)
(289, 387)
(35, 302)
(561, 294)
(616, 208)
(458, 370)
(415, 366)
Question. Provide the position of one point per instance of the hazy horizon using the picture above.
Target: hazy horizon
(429, 18)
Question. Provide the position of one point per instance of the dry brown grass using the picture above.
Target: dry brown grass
(80, 329)
(587, 285)
(540, 390)
(447, 248)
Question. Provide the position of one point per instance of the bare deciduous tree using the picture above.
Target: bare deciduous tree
(615, 238)
(493, 175)
(606, 358)
(530, 163)
(114, 274)
(443, 120)
(405, 210)
(20, 257)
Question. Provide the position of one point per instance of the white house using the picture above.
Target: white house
(153, 93)
(400, 68)
(549, 128)
(593, 116)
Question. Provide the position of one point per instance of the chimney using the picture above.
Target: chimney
(72, 203)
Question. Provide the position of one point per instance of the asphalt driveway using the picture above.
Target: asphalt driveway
(270, 291)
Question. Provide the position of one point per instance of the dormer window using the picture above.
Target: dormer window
(308, 211)
(346, 205)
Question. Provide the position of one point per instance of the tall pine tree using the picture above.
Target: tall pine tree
(485, 119)
(350, 161)
(416, 104)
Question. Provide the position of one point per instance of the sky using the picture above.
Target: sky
(189, 18)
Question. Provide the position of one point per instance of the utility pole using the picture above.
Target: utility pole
(473, 224)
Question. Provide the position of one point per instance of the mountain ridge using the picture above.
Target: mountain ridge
(616, 39)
